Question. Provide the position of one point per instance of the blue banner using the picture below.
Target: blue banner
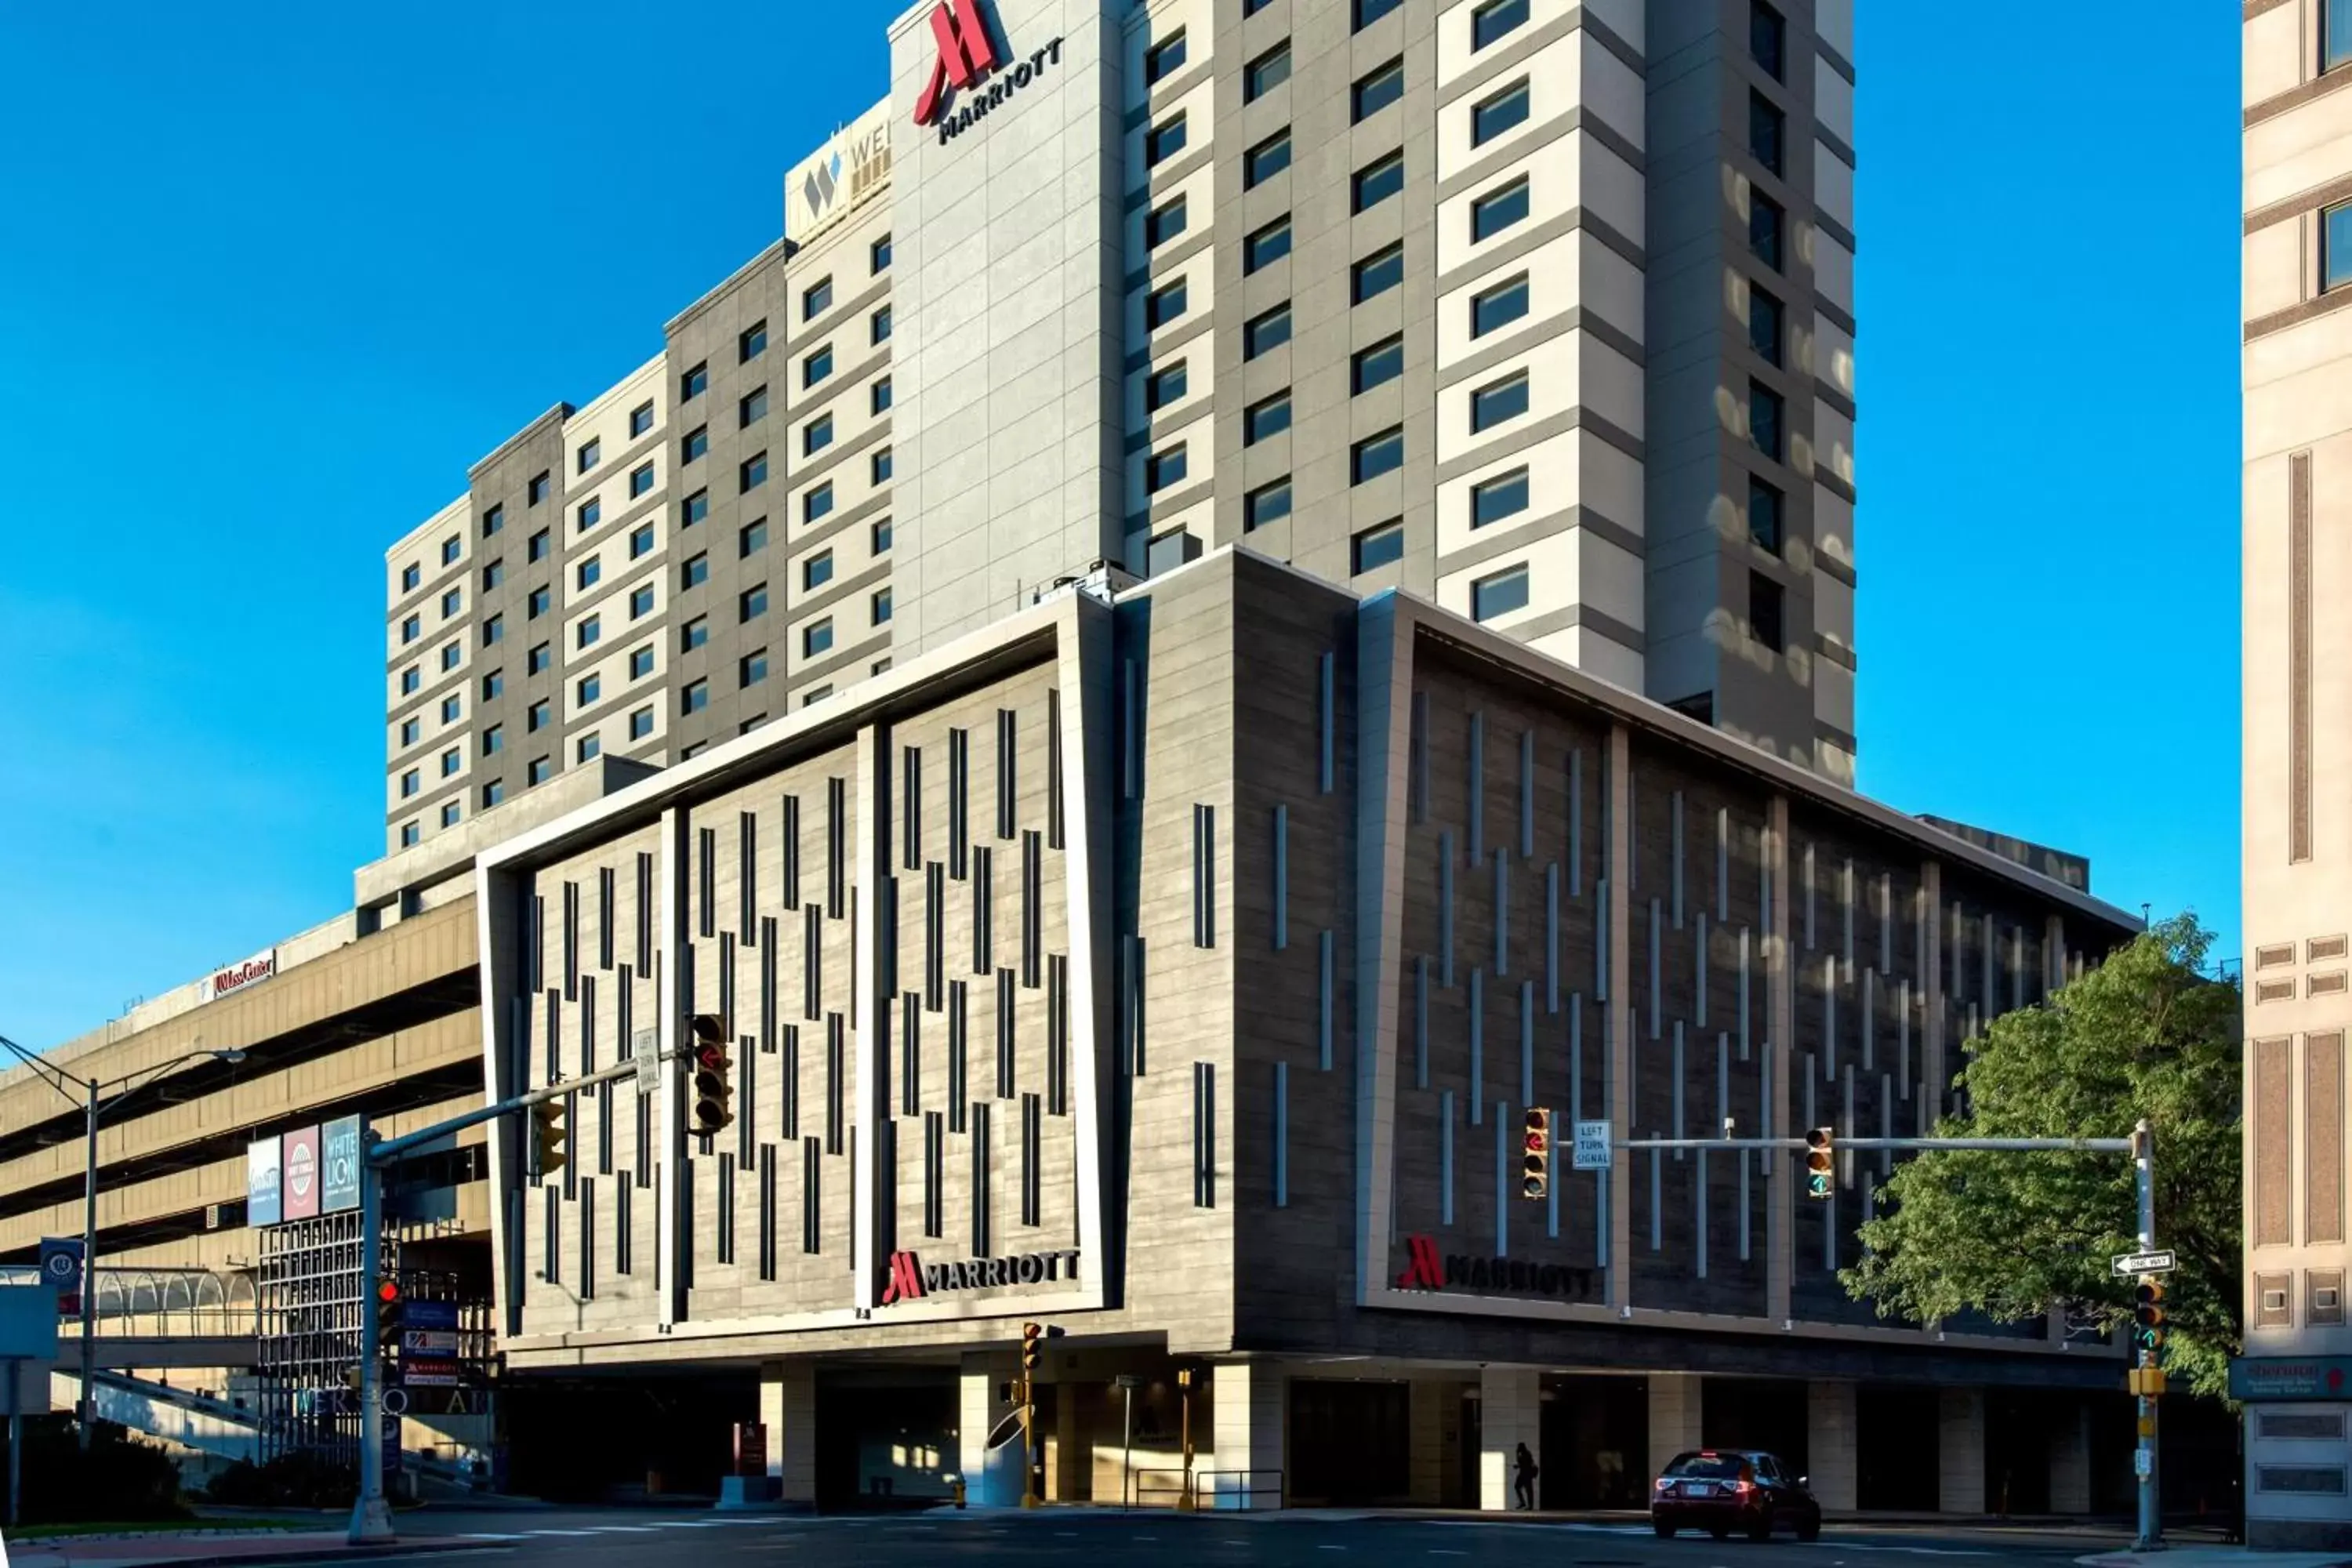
(340, 1153)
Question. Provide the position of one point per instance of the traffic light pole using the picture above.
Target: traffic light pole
(2151, 1499)
(370, 1513)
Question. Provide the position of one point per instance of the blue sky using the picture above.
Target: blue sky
(272, 276)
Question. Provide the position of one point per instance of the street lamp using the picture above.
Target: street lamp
(89, 1093)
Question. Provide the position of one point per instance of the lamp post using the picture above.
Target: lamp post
(89, 1093)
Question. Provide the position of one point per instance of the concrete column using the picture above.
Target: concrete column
(1429, 1411)
(2070, 1459)
(1510, 1412)
(990, 1479)
(1960, 1450)
(788, 1410)
(1830, 1444)
(1675, 1406)
(1248, 1403)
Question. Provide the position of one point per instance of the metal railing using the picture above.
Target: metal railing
(159, 1302)
(1238, 1488)
(1156, 1489)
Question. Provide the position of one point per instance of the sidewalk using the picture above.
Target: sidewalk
(209, 1548)
(2208, 1557)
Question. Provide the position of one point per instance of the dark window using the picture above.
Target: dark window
(641, 479)
(1764, 325)
(493, 574)
(878, 467)
(1270, 416)
(817, 571)
(1163, 468)
(1378, 181)
(881, 537)
(1375, 93)
(1505, 495)
(751, 342)
(535, 603)
(1267, 159)
(592, 512)
(1497, 114)
(1491, 214)
(694, 383)
(1499, 595)
(879, 325)
(589, 632)
(1383, 362)
(590, 453)
(878, 402)
(1376, 454)
(816, 638)
(816, 435)
(1271, 243)
(493, 519)
(537, 660)
(1768, 38)
(641, 723)
(1700, 706)
(1268, 503)
(695, 573)
(1163, 306)
(752, 408)
(2335, 232)
(1494, 19)
(641, 541)
(1370, 11)
(816, 300)
(586, 573)
(695, 698)
(881, 253)
(1498, 306)
(641, 601)
(535, 717)
(1764, 424)
(697, 442)
(817, 504)
(1268, 71)
(1164, 224)
(754, 668)
(1377, 273)
(816, 366)
(1764, 515)
(694, 634)
(493, 792)
(1492, 406)
(493, 684)
(591, 688)
(1265, 331)
(1164, 57)
(641, 419)
(753, 602)
(1163, 142)
(1378, 546)
(541, 770)
(1764, 229)
(409, 680)
(1164, 387)
(641, 662)
(536, 491)
(1768, 131)
(694, 508)
(753, 472)
(878, 606)
(1766, 603)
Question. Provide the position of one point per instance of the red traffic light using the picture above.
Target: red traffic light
(709, 1058)
(387, 1289)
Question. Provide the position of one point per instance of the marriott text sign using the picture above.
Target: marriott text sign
(910, 1276)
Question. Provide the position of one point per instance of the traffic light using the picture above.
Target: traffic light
(388, 1313)
(714, 1077)
(548, 1133)
(1031, 1333)
(1820, 1161)
(2147, 1316)
(1535, 1179)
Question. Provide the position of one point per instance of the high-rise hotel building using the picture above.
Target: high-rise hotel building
(1542, 310)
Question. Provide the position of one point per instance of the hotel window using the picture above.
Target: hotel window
(696, 445)
(452, 602)
(879, 254)
(881, 536)
(592, 452)
(590, 513)
(878, 401)
(1373, 366)
(752, 603)
(1267, 159)
(1376, 454)
(536, 491)
(1765, 426)
(752, 667)
(1164, 57)
(1162, 469)
(589, 689)
(878, 467)
(1163, 142)
(816, 435)
(753, 472)
(450, 654)
(493, 521)
(412, 577)
(879, 605)
(1370, 11)
(1499, 114)
(2336, 228)
(1377, 547)
(587, 572)
(493, 574)
(641, 541)
(535, 717)
(1499, 595)
(1269, 244)
(410, 782)
(695, 572)
(411, 732)
(453, 708)
(1764, 229)
(641, 662)
(1378, 273)
(1271, 330)
(1163, 306)
(409, 835)
(752, 408)
(641, 419)
(1163, 387)
(1764, 516)
(493, 793)
(409, 680)
(816, 694)
(694, 508)
(1767, 131)
(1268, 503)
(817, 504)
(1265, 73)
(752, 538)
(1505, 495)
(641, 723)
(695, 698)
(1495, 19)
(450, 814)
(1766, 605)
(694, 383)
(641, 601)
(411, 628)
(1498, 306)
(816, 638)
(1764, 325)
(537, 549)
(537, 660)
(592, 629)
(694, 634)
(1377, 91)
(1270, 416)
(816, 300)
(878, 325)
(1378, 181)
(753, 342)
(1499, 404)
(587, 748)
(1164, 223)
(493, 740)
(1768, 38)
(817, 571)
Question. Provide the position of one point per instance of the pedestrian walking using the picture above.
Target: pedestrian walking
(1524, 1481)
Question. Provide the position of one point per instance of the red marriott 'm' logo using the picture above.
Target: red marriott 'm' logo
(967, 53)
(906, 1281)
(1422, 1271)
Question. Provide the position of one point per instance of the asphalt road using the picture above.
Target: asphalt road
(622, 1538)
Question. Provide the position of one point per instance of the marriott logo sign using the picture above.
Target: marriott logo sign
(969, 55)
(910, 1277)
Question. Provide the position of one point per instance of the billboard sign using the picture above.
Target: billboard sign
(264, 1183)
(302, 1173)
(838, 176)
(241, 976)
(339, 1151)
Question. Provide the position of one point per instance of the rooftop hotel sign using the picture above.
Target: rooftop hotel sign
(838, 178)
(970, 55)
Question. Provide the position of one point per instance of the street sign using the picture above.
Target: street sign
(427, 1343)
(1592, 1150)
(61, 1262)
(2143, 1462)
(429, 1315)
(2130, 1263)
(645, 1048)
(438, 1372)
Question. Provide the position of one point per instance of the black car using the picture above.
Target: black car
(1723, 1489)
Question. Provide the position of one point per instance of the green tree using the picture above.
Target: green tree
(2145, 1034)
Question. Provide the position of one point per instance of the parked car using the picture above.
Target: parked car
(1723, 1489)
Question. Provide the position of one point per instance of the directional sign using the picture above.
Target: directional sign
(440, 1343)
(1592, 1150)
(430, 1315)
(2144, 1263)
